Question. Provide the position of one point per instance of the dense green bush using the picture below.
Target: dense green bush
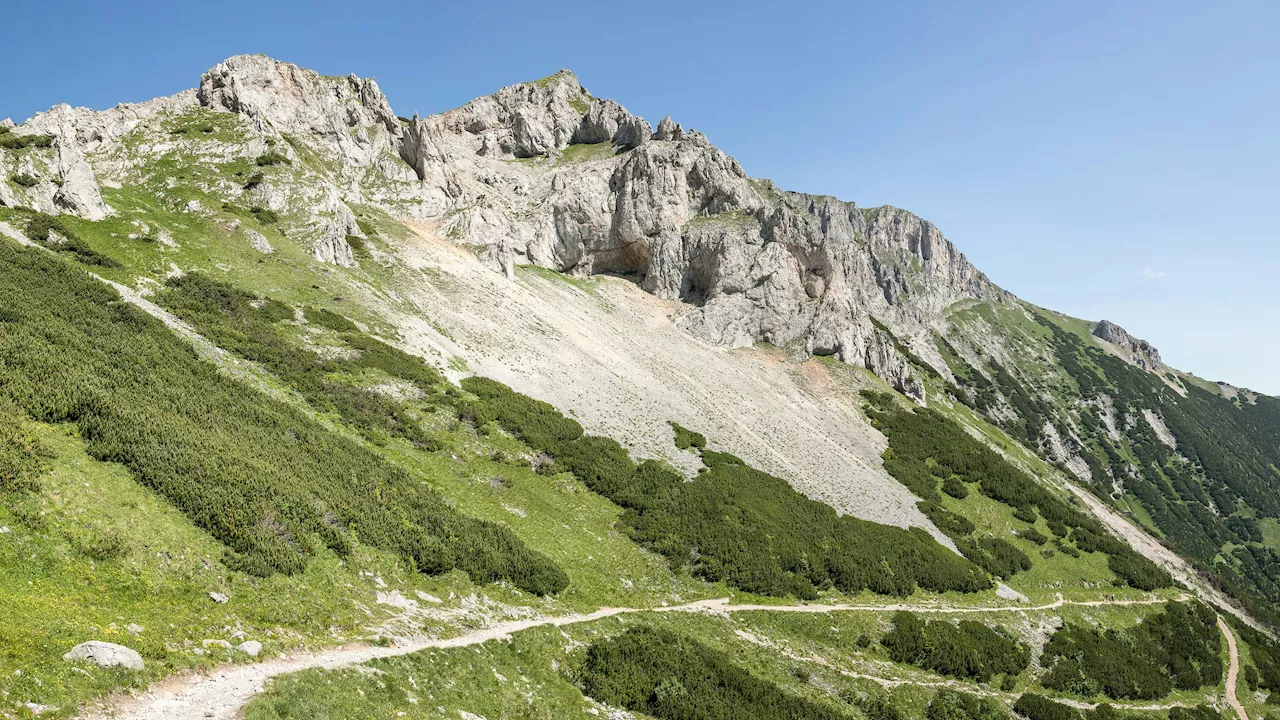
(14, 141)
(955, 487)
(359, 246)
(968, 650)
(995, 555)
(1033, 535)
(1264, 650)
(254, 181)
(1177, 648)
(26, 180)
(272, 157)
(257, 474)
(537, 423)
(1039, 707)
(266, 216)
(329, 319)
(955, 705)
(876, 706)
(686, 438)
(732, 522)
(664, 675)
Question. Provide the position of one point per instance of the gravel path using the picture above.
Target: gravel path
(1233, 670)
(222, 693)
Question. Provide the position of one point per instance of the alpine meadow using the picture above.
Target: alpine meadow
(532, 409)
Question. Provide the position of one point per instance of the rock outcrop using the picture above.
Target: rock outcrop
(259, 242)
(1134, 351)
(65, 181)
(349, 114)
(754, 263)
(334, 223)
(544, 173)
(78, 191)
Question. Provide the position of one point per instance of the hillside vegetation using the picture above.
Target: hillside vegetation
(270, 483)
(731, 522)
(926, 450)
(1199, 477)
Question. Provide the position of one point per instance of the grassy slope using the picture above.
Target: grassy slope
(533, 675)
(59, 590)
(556, 516)
(1036, 360)
(560, 518)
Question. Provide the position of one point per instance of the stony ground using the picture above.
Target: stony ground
(608, 353)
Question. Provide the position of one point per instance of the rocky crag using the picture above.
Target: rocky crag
(1137, 352)
(544, 173)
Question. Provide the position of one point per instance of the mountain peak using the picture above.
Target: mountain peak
(280, 97)
(1136, 352)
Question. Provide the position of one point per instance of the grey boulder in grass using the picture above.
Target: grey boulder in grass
(105, 654)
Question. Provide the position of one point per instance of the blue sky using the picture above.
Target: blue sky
(1104, 159)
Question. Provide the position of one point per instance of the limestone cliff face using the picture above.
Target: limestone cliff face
(344, 113)
(754, 263)
(545, 173)
(1136, 352)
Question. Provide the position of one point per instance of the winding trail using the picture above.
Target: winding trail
(222, 693)
(1233, 670)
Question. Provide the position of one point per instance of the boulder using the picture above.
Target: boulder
(250, 648)
(105, 654)
(259, 242)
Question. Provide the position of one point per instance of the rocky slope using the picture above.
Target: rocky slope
(544, 173)
(279, 159)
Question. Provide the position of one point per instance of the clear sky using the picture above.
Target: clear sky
(1105, 159)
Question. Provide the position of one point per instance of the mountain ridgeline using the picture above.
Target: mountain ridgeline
(545, 173)
(534, 355)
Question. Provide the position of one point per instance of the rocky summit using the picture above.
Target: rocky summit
(546, 174)
(281, 370)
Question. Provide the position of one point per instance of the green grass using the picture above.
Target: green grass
(56, 592)
(587, 285)
(559, 516)
(586, 152)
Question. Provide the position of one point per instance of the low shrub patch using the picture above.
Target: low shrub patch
(1177, 648)
(968, 650)
(926, 448)
(669, 676)
(732, 522)
(14, 141)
